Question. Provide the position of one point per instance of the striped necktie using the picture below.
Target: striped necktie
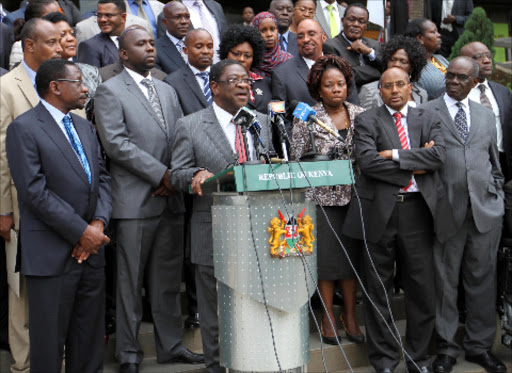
(206, 86)
(154, 101)
(240, 144)
(77, 146)
(484, 99)
(403, 138)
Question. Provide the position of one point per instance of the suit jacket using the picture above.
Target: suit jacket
(109, 71)
(189, 92)
(362, 74)
(98, 51)
(289, 84)
(504, 100)
(262, 90)
(6, 42)
(88, 28)
(218, 14)
(471, 173)
(201, 143)
(461, 9)
(382, 178)
(139, 148)
(168, 58)
(320, 18)
(293, 47)
(369, 95)
(55, 198)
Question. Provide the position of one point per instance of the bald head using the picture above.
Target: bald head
(479, 52)
(199, 48)
(310, 39)
(176, 19)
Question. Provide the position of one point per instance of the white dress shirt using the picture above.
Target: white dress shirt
(453, 108)
(197, 22)
(138, 79)
(474, 95)
(115, 39)
(396, 156)
(196, 71)
(324, 4)
(229, 129)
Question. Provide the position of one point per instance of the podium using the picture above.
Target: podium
(247, 198)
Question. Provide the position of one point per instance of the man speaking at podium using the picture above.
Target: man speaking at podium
(206, 144)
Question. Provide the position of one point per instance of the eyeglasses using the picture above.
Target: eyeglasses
(235, 81)
(186, 17)
(361, 21)
(80, 82)
(238, 54)
(400, 84)
(460, 77)
(480, 56)
(106, 15)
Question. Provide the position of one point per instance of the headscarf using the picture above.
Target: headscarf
(271, 57)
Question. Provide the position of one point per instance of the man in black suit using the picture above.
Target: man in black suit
(283, 10)
(399, 150)
(171, 56)
(64, 201)
(103, 49)
(191, 82)
(205, 144)
(364, 54)
(494, 96)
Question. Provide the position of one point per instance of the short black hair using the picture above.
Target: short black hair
(29, 30)
(120, 4)
(324, 63)
(218, 69)
(35, 8)
(416, 27)
(414, 49)
(48, 72)
(56, 17)
(357, 5)
(238, 34)
(122, 38)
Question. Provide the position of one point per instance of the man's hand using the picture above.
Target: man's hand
(386, 154)
(6, 224)
(165, 187)
(429, 144)
(198, 180)
(359, 47)
(450, 18)
(93, 238)
(79, 253)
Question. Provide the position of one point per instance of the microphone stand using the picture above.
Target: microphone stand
(313, 155)
(246, 147)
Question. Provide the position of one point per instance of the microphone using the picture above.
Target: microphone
(276, 110)
(306, 113)
(244, 118)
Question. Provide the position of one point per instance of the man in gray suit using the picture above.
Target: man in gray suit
(136, 118)
(473, 180)
(205, 145)
(283, 10)
(328, 14)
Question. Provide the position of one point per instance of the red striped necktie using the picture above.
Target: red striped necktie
(403, 138)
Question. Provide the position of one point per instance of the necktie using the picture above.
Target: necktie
(179, 46)
(240, 144)
(141, 13)
(206, 86)
(154, 101)
(461, 122)
(403, 138)
(484, 100)
(77, 147)
(282, 41)
(332, 21)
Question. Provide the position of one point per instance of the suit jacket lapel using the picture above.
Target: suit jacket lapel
(302, 68)
(446, 118)
(388, 124)
(83, 134)
(321, 19)
(111, 47)
(164, 103)
(501, 100)
(25, 85)
(475, 121)
(170, 50)
(215, 132)
(190, 79)
(55, 133)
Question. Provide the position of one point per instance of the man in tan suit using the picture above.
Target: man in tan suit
(40, 43)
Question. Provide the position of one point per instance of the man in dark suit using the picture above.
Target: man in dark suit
(191, 82)
(171, 56)
(102, 49)
(364, 54)
(136, 118)
(205, 144)
(283, 10)
(473, 180)
(399, 150)
(493, 96)
(209, 15)
(64, 201)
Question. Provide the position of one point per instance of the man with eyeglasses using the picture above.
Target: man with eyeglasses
(283, 10)
(474, 183)
(364, 54)
(64, 203)
(103, 49)
(493, 96)
(191, 82)
(206, 144)
(399, 150)
(171, 55)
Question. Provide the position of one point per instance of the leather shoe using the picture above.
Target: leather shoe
(443, 363)
(384, 370)
(192, 321)
(129, 368)
(488, 361)
(187, 357)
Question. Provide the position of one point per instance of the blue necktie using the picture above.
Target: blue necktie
(206, 86)
(77, 147)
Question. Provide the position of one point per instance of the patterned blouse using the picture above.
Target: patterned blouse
(338, 195)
